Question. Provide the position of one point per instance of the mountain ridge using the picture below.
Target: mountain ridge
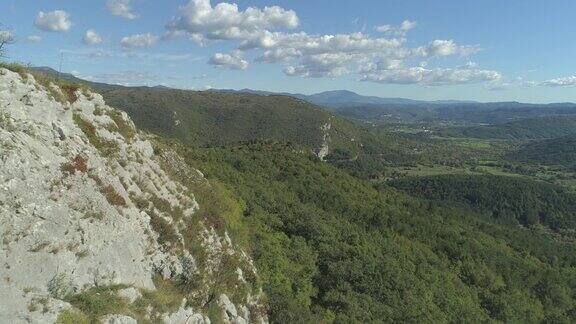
(344, 97)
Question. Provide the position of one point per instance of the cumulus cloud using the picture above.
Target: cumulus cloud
(33, 39)
(560, 82)
(225, 21)
(335, 55)
(53, 21)
(139, 40)
(322, 65)
(92, 37)
(441, 47)
(320, 44)
(401, 30)
(121, 8)
(384, 58)
(279, 55)
(232, 61)
(433, 77)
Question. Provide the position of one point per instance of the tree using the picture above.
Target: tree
(6, 38)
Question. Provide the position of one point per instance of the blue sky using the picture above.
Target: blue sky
(448, 49)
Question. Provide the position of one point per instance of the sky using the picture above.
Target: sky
(489, 50)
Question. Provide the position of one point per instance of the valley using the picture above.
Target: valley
(287, 162)
(398, 222)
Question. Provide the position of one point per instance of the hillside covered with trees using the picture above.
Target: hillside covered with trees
(340, 240)
(512, 200)
(524, 129)
(557, 151)
(332, 247)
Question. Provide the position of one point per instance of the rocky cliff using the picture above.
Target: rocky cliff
(96, 226)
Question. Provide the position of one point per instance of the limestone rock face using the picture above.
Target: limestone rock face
(84, 204)
(323, 151)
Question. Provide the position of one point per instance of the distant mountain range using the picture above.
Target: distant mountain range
(380, 110)
(400, 110)
(344, 98)
(330, 99)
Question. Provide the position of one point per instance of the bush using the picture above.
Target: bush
(166, 234)
(99, 301)
(15, 67)
(104, 146)
(124, 127)
(72, 316)
(166, 298)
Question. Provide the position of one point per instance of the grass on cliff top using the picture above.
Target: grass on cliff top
(67, 93)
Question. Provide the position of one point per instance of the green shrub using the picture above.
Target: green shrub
(215, 313)
(124, 127)
(99, 301)
(72, 316)
(104, 146)
(16, 67)
(166, 298)
(167, 236)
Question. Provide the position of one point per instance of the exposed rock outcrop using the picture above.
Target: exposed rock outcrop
(87, 210)
(323, 151)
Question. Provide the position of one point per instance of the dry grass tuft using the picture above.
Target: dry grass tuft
(113, 196)
(79, 163)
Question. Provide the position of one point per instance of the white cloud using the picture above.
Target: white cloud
(336, 55)
(329, 65)
(408, 25)
(232, 61)
(139, 40)
(384, 58)
(441, 47)
(560, 82)
(97, 53)
(226, 21)
(312, 44)
(503, 84)
(53, 21)
(128, 78)
(121, 8)
(92, 37)
(279, 55)
(33, 39)
(433, 77)
(401, 30)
